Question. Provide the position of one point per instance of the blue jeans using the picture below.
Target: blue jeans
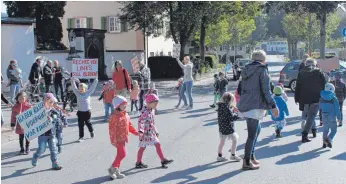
(14, 90)
(107, 107)
(59, 137)
(42, 144)
(329, 125)
(253, 129)
(311, 112)
(187, 87)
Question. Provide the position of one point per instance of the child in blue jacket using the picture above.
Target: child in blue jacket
(329, 105)
(282, 105)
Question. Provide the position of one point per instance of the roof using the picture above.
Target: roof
(17, 20)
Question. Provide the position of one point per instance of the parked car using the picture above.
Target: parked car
(289, 74)
(238, 66)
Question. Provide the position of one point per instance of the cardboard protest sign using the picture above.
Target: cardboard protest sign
(85, 68)
(176, 50)
(135, 64)
(34, 121)
(328, 65)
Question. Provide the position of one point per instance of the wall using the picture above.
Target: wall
(160, 44)
(17, 43)
(125, 57)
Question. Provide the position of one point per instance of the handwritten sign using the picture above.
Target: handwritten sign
(135, 64)
(328, 65)
(176, 50)
(34, 121)
(85, 68)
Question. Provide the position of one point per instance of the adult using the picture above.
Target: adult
(188, 81)
(340, 92)
(302, 64)
(255, 99)
(121, 79)
(310, 82)
(144, 82)
(35, 72)
(58, 76)
(48, 76)
(15, 80)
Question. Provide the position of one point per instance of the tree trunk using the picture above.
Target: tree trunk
(202, 38)
(289, 47)
(182, 49)
(294, 50)
(171, 26)
(323, 35)
(309, 34)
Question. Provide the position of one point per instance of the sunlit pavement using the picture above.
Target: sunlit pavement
(191, 139)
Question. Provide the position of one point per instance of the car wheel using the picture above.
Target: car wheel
(293, 85)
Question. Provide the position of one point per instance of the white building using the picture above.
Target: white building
(275, 47)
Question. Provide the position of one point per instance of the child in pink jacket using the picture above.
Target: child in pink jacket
(148, 134)
(134, 95)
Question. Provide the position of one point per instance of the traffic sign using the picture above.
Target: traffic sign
(344, 32)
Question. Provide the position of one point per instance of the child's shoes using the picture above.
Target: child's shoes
(114, 173)
(221, 159)
(140, 165)
(235, 158)
(56, 166)
(165, 162)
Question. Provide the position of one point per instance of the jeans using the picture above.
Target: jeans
(84, 119)
(312, 110)
(107, 107)
(42, 144)
(187, 86)
(341, 103)
(329, 125)
(59, 138)
(57, 85)
(134, 102)
(48, 88)
(253, 129)
(21, 142)
(14, 90)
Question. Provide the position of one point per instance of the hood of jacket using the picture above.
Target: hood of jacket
(327, 95)
(251, 69)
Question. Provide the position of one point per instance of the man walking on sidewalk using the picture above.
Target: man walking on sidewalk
(310, 83)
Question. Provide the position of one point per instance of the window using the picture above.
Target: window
(161, 53)
(169, 53)
(114, 25)
(293, 67)
(81, 22)
(151, 54)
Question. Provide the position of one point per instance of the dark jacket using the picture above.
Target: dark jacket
(310, 82)
(222, 85)
(35, 72)
(340, 90)
(301, 66)
(255, 88)
(13, 79)
(226, 117)
(216, 85)
(58, 74)
(48, 74)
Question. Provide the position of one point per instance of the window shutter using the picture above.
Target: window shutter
(69, 23)
(104, 23)
(90, 22)
(73, 23)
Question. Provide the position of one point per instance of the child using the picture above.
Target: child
(282, 106)
(119, 128)
(226, 117)
(340, 92)
(17, 72)
(216, 90)
(329, 105)
(223, 83)
(152, 89)
(84, 106)
(284, 95)
(134, 95)
(49, 136)
(109, 93)
(148, 134)
(178, 88)
(60, 122)
(42, 87)
(22, 104)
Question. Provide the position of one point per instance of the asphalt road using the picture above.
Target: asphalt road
(191, 139)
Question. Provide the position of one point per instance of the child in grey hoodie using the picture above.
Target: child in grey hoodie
(84, 106)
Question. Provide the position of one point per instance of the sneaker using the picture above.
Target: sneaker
(117, 174)
(235, 158)
(34, 161)
(340, 125)
(184, 106)
(189, 108)
(59, 149)
(80, 139)
(324, 145)
(221, 159)
(21, 152)
(27, 151)
(92, 134)
(140, 165)
(329, 143)
(177, 106)
(56, 166)
(165, 162)
(321, 123)
(249, 166)
(212, 106)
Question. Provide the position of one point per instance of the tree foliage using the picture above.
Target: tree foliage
(47, 15)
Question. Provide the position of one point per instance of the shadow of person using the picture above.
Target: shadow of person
(341, 156)
(211, 123)
(136, 171)
(19, 172)
(220, 178)
(22, 160)
(301, 157)
(269, 152)
(187, 173)
(196, 115)
(100, 180)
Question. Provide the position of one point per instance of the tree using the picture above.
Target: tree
(47, 15)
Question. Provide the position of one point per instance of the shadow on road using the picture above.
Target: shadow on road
(136, 171)
(301, 157)
(101, 179)
(220, 178)
(19, 172)
(197, 115)
(341, 156)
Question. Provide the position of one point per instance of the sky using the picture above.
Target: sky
(3, 7)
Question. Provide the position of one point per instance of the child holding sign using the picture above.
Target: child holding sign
(49, 136)
(83, 100)
(22, 104)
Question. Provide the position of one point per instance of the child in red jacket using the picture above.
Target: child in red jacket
(108, 94)
(119, 127)
(21, 105)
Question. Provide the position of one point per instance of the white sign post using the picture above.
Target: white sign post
(34, 121)
(85, 68)
(176, 50)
